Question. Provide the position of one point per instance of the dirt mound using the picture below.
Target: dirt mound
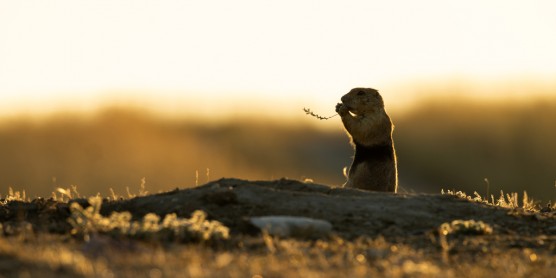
(353, 213)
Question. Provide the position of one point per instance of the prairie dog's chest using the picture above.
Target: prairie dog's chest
(370, 130)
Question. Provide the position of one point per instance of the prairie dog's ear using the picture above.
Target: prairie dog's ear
(374, 91)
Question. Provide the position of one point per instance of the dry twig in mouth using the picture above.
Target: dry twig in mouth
(309, 112)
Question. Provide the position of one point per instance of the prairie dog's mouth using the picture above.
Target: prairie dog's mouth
(350, 109)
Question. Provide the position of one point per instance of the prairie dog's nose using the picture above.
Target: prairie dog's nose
(344, 98)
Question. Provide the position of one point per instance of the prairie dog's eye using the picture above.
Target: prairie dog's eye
(360, 93)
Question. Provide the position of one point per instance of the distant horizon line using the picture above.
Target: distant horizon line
(160, 110)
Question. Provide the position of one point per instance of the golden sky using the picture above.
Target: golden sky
(206, 55)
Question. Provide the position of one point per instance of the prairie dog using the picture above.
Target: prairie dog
(374, 165)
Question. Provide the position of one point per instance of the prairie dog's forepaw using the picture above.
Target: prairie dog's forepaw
(341, 109)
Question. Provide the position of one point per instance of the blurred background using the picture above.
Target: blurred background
(100, 94)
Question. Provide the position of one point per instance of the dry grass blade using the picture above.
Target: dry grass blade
(309, 112)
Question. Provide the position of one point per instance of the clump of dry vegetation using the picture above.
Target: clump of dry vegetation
(465, 227)
(87, 221)
(15, 196)
(510, 200)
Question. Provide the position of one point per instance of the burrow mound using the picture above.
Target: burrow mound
(352, 213)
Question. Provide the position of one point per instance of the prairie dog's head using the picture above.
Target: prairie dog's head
(363, 101)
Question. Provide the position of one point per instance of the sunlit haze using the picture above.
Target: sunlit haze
(214, 57)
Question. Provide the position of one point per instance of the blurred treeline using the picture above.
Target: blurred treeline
(449, 144)
(458, 143)
(118, 147)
